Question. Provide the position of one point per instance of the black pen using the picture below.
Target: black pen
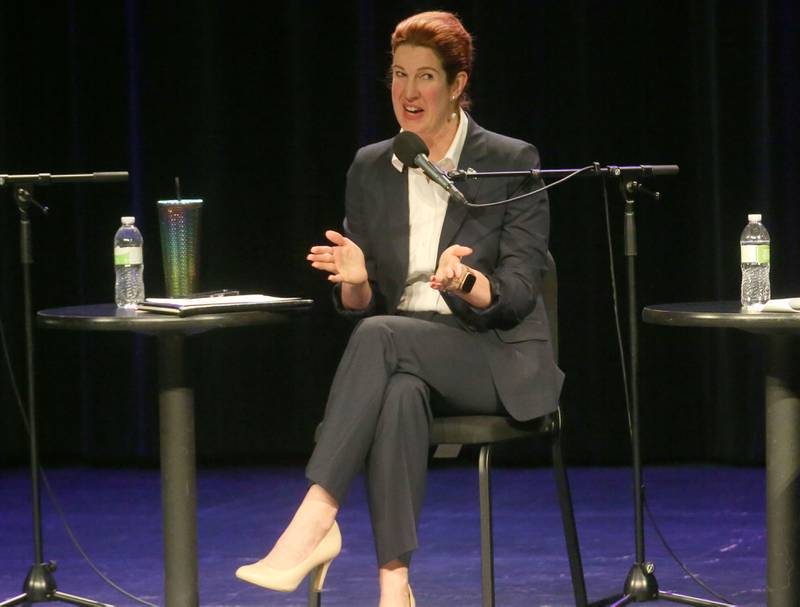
(220, 293)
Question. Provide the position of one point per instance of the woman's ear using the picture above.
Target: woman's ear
(459, 84)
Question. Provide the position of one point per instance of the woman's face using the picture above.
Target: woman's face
(421, 97)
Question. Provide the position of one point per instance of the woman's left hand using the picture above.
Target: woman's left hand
(450, 269)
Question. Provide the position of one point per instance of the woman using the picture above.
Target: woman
(465, 334)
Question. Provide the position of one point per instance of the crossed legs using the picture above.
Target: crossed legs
(377, 419)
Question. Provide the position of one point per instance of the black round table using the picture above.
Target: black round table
(176, 419)
(782, 427)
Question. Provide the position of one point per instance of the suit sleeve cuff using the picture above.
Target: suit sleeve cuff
(336, 294)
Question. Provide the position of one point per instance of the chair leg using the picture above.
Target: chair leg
(568, 519)
(314, 597)
(487, 547)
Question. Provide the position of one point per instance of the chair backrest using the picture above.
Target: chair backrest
(550, 297)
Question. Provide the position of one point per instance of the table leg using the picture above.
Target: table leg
(178, 476)
(783, 468)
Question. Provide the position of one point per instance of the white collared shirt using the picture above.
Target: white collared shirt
(427, 205)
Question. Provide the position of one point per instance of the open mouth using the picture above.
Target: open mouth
(412, 110)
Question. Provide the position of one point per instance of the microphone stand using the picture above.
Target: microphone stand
(641, 584)
(40, 584)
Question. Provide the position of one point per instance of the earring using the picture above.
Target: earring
(454, 115)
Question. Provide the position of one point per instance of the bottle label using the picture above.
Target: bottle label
(127, 256)
(755, 253)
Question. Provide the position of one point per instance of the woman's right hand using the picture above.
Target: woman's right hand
(343, 259)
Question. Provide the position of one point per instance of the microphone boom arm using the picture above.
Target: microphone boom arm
(47, 178)
(595, 170)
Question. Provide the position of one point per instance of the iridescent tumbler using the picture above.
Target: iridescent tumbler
(180, 244)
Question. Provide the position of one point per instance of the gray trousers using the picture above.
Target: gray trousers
(395, 374)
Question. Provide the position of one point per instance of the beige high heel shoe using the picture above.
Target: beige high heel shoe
(287, 580)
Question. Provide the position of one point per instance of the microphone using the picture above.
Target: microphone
(413, 152)
(645, 170)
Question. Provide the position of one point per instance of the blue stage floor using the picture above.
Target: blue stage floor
(712, 516)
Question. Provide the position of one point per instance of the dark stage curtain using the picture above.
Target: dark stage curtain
(259, 108)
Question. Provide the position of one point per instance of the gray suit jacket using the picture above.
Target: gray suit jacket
(510, 248)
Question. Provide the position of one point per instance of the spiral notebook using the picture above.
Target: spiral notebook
(215, 305)
(790, 304)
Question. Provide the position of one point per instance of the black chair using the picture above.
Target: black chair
(448, 434)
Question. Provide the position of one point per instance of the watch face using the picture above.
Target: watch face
(469, 282)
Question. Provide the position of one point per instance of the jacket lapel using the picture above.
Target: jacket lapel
(471, 154)
(396, 230)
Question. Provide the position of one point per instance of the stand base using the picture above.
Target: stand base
(40, 586)
(641, 585)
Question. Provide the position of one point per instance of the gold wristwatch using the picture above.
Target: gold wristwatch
(467, 280)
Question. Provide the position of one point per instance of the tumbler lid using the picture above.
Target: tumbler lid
(182, 201)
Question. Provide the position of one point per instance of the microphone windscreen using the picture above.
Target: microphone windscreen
(110, 176)
(407, 146)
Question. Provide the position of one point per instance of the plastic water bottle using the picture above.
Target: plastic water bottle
(755, 264)
(129, 264)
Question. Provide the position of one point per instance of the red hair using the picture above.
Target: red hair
(446, 36)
